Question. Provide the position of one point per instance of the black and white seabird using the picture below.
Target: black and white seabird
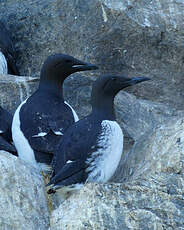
(40, 121)
(5, 132)
(91, 148)
(7, 52)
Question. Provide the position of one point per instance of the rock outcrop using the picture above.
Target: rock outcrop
(130, 37)
(23, 203)
(158, 153)
(120, 206)
(150, 195)
(15, 89)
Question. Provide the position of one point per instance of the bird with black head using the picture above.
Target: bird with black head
(91, 148)
(40, 121)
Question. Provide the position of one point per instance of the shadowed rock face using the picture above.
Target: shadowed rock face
(131, 37)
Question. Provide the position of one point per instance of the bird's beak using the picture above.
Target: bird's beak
(83, 66)
(136, 80)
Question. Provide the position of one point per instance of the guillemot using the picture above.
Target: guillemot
(5, 132)
(91, 148)
(40, 121)
(7, 52)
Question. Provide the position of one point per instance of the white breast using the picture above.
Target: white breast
(22, 145)
(104, 162)
(3, 64)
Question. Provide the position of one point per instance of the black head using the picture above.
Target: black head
(105, 89)
(112, 84)
(62, 65)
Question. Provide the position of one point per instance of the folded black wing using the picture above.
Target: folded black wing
(78, 143)
(44, 126)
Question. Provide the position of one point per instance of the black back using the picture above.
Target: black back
(78, 144)
(7, 48)
(44, 113)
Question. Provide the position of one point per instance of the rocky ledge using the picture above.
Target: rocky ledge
(23, 204)
(148, 193)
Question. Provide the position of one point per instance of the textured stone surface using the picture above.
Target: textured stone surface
(116, 206)
(136, 116)
(23, 204)
(15, 89)
(131, 37)
(160, 151)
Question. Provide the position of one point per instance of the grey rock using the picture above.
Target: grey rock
(15, 89)
(23, 204)
(120, 206)
(130, 37)
(160, 151)
(137, 116)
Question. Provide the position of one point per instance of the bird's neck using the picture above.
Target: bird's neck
(52, 85)
(104, 108)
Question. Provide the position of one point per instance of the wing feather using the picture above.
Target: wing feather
(37, 119)
(76, 146)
